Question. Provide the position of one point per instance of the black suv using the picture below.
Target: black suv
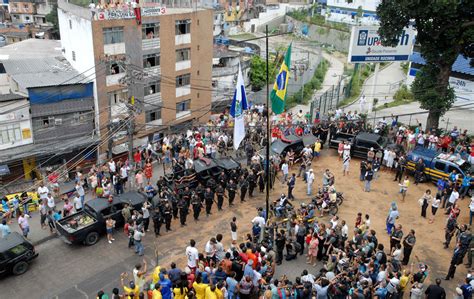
(15, 254)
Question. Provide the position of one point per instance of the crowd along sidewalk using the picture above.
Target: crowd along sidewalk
(38, 235)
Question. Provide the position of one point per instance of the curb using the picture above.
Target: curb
(365, 81)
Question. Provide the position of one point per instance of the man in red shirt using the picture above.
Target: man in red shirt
(137, 158)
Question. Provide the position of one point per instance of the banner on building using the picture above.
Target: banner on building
(366, 46)
(129, 13)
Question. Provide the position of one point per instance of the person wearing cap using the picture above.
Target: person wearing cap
(309, 181)
(132, 289)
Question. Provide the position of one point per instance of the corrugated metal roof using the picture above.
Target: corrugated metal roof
(461, 65)
(49, 71)
(11, 97)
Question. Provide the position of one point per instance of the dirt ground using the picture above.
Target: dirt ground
(429, 248)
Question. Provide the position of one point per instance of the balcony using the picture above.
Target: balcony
(152, 124)
(183, 65)
(152, 43)
(182, 39)
(153, 100)
(183, 90)
(183, 114)
(114, 49)
(112, 80)
(153, 71)
(118, 110)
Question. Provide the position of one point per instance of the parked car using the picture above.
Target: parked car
(87, 225)
(439, 165)
(16, 254)
(362, 142)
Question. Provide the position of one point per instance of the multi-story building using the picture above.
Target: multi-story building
(162, 57)
(33, 13)
(355, 12)
(48, 110)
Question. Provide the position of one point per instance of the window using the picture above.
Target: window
(79, 118)
(152, 87)
(16, 17)
(27, 18)
(451, 168)
(74, 55)
(183, 54)
(113, 35)
(151, 60)
(440, 166)
(25, 6)
(118, 97)
(151, 30)
(183, 106)
(70, 24)
(183, 27)
(183, 80)
(115, 68)
(153, 115)
(10, 133)
(47, 121)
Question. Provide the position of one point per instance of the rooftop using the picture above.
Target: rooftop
(461, 65)
(16, 32)
(38, 63)
(10, 97)
(31, 48)
(37, 72)
(122, 10)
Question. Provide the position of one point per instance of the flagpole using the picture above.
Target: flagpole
(267, 166)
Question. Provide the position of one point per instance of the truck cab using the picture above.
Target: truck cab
(439, 165)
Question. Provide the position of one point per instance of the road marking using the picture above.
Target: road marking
(81, 291)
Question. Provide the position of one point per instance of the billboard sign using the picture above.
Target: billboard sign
(366, 46)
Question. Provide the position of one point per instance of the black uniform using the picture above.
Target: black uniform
(450, 229)
(402, 164)
(168, 213)
(174, 205)
(243, 189)
(197, 205)
(220, 196)
(209, 199)
(157, 221)
(183, 211)
(231, 189)
(252, 181)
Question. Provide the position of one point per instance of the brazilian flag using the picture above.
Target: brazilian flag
(278, 94)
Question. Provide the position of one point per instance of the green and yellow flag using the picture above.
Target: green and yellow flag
(278, 94)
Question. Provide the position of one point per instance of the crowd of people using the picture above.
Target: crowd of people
(351, 261)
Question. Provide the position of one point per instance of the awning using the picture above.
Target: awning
(123, 147)
(43, 149)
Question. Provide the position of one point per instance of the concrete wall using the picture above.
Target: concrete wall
(77, 36)
(339, 39)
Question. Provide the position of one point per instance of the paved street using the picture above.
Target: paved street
(79, 272)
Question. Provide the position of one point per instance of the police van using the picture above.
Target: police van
(439, 165)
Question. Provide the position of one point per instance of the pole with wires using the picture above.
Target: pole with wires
(267, 164)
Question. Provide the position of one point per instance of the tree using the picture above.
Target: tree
(258, 72)
(52, 18)
(445, 29)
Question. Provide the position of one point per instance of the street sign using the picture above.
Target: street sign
(366, 46)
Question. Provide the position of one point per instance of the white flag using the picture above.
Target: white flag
(239, 104)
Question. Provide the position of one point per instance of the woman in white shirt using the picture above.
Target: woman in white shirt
(434, 207)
